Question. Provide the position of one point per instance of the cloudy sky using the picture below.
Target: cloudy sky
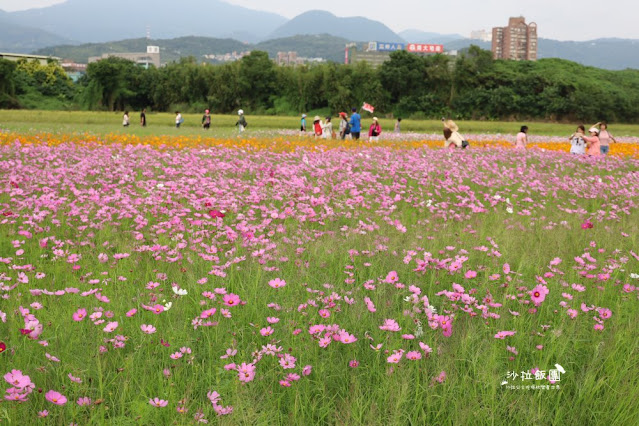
(557, 19)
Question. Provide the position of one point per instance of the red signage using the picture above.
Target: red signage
(425, 48)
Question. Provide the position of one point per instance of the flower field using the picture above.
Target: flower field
(278, 280)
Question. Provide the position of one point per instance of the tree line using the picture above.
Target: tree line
(469, 86)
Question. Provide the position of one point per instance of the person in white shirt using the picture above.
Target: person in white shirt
(125, 119)
(178, 119)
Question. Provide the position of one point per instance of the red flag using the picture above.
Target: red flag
(368, 107)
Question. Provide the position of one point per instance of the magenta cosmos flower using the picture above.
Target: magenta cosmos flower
(538, 294)
(157, 402)
(231, 299)
(56, 397)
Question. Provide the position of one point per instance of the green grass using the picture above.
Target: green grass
(599, 386)
(222, 125)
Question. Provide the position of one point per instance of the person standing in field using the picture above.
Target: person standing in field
(593, 147)
(143, 118)
(522, 138)
(451, 134)
(374, 130)
(178, 119)
(241, 122)
(344, 126)
(303, 124)
(317, 126)
(398, 125)
(206, 120)
(125, 119)
(356, 124)
(604, 137)
(577, 142)
(327, 129)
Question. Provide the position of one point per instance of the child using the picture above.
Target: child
(125, 119)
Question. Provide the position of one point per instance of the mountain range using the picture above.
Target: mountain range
(211, 26)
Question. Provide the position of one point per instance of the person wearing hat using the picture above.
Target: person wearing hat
(241, 122)
(374, 130)
(303, 124)
(344, 126)
(317, 126)
(593, 146)
(451, 134)
(356, 124)
(206, 120)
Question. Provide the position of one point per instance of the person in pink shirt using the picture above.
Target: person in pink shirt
(604, 137)
(593, 147)
(522, 138)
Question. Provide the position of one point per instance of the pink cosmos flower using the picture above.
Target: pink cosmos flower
(390, 325)
(157, 402)
(17, 379)
(396, 357)
(84, 401)
(246, 372)
(538, 294)
(503, 334)
(43, 413)
(391, 278)
(266, 331)
(110, 327)
(414, 355)
(307, 370)
(272, 320)
(208, 313)
(324, 313)
(147, 328)
(277, 283)
(131, 312)
(353, 363)
(231, 299)
(55, 397)
(346, 338)
(572, 313)
(470, 274)
(74, 379)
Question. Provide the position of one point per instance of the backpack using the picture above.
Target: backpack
(347, 129)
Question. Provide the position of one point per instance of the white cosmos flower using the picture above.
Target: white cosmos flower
(635, 276)
(509, 209)
(179, 291)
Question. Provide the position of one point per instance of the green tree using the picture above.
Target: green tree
(7, 85)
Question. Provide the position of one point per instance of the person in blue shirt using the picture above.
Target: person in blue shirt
(356, 124)
(303, 124)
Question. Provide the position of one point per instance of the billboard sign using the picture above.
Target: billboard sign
(425, 48)
(388, 47)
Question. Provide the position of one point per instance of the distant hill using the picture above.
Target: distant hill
(324, 46)
(607, 53)
(170, 50)
(417, 36)
(320, 22)
(312, 46)
(100, 21)
(17, 38)
(611, 53)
